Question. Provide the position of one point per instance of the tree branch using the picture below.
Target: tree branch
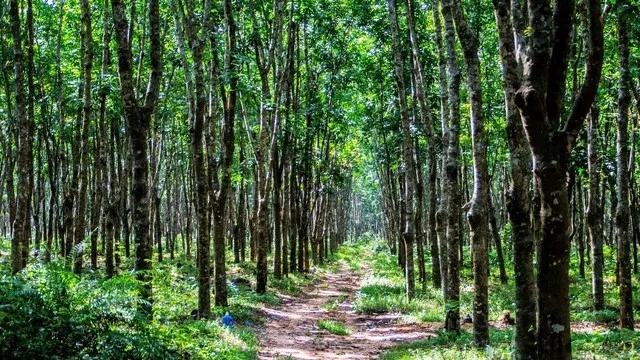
(155, 76)
(563, 16)
(589, 88)
(534, 119)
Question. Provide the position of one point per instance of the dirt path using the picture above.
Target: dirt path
(290, 331)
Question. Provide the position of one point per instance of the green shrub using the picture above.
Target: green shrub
(48, 312)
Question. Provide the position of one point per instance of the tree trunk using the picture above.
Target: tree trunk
(452, 300)
(427, 123)
(227, 145)
(540, 100)
(22, 227)
(408, 234)
(478, 213)
(495, 233)
(81, 199)
(594, 211)
(622, 175)
(277, 214)
(138, 119)
(441, 212)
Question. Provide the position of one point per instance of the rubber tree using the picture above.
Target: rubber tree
(509, 20)
(408, 234)
(478, 208)
(452, 171)
(541, 101)
(22, 222)
(138, 116)
(623, 237)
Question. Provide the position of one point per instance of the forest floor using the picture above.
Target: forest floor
(354, 308)
(322, 323)
(351, 307)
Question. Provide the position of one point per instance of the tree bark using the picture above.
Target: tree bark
(540, 100)
(622, 172)
(22, 227)
(452, 300)
(138, 119)
(408, 234)
(478, 213)
(518, 200)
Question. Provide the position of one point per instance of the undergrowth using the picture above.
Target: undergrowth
(48, 312)
(383, 291)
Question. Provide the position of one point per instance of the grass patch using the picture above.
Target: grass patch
(613, 344)
(383, 291)
(293, 284)
(334, 327)
(332, 305)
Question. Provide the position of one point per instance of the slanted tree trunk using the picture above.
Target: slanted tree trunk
(427, 123)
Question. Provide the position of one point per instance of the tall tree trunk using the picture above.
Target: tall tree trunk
(594, 211)
(452, 187)
(81, 199)
(227, 142)
(201, 188)
(408, 234)
(622, 175)
(518, 200)
(441, 212)
(197, 110)
(138, 119)
(22, 227)
(478, 213)
(427, 123)
(541, 101)
(419, 225)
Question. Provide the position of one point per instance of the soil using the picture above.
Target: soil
(290, 331)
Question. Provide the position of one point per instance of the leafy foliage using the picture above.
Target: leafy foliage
(48, 312)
